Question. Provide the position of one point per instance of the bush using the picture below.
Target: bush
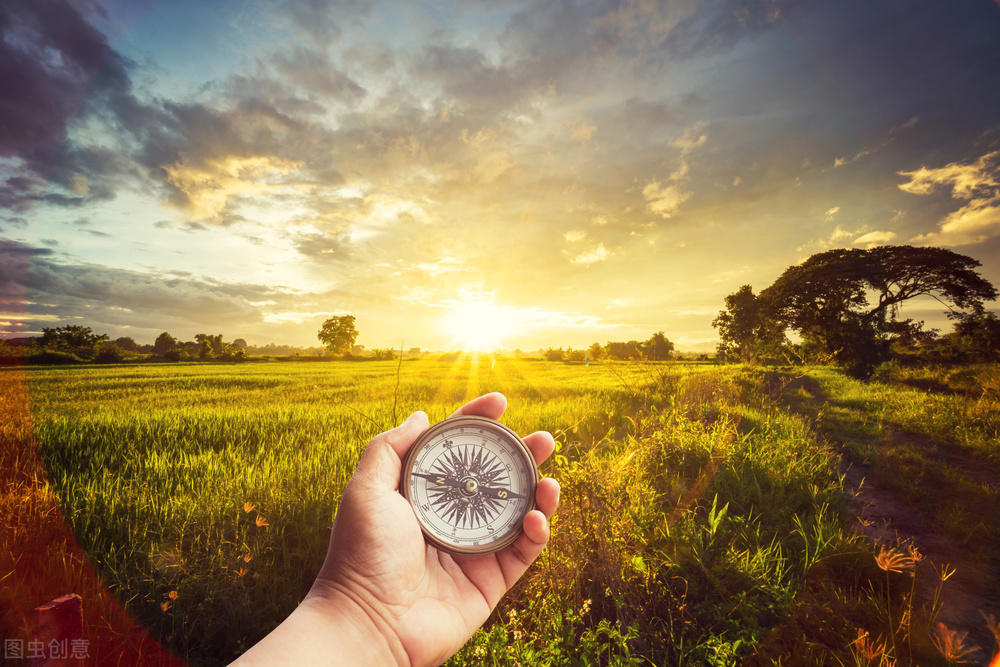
(53, 358)
(108, 353)
(177, 355)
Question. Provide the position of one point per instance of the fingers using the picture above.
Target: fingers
(493, 406)
(541, 445)
(488, 405)
(515, 559)
(547, 497)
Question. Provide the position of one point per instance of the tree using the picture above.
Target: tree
(73, 339)
(338, 333)
(595, 351)
(163, 344)
(658, 348)
(623, 351)
(126, 343)
(746, 330)
(204, 345)
(977, 335)
(825, 298)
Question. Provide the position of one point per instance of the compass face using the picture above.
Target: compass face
(471, 481)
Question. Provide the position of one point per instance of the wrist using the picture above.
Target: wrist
(358, 625)
(334, 625)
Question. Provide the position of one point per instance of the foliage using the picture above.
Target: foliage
(554, 354)
(163, 344)
(386, 354)
(72, 339)
(825, 298)
(658, 348)
(747, 332)
(338, 333)
(623, 351)
(977, 335)
(53, 358)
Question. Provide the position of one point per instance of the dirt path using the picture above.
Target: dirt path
(930, 495)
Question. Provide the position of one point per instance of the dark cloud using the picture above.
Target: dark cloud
(32, 277)
(50, 56)
(54, 68)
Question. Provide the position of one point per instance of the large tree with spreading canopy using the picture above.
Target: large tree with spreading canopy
(846, 301)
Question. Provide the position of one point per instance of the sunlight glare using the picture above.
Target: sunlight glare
(479, 325)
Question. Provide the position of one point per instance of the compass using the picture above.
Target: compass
(471, 481)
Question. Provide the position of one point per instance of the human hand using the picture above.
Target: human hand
(383, 594)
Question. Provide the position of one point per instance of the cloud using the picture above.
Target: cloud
(831, 212)
(974, 183)
(975, 222)
(31, 278)
(966, 180)
(872, 239)
(583, 132)
(321, 20)
(598, 254)
(666, 199)
(54, 67)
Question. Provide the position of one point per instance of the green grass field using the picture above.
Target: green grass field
(703, 518)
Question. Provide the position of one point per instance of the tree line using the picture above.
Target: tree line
(75, 344)
(844, 307)
(657, 348)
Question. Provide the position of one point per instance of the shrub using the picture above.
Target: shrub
(53, 358)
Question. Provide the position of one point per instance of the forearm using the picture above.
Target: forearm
(329, 628)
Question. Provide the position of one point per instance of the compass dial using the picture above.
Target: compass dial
(471, 481)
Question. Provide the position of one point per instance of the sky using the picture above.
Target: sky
(504, 173)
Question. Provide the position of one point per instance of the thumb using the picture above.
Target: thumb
(381, 462)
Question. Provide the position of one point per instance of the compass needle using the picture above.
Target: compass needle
(471, 481)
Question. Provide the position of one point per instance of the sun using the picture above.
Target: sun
(479, 325)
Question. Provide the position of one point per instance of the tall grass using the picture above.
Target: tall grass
(702, 521)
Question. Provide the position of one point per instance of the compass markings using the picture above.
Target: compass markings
(460, 462)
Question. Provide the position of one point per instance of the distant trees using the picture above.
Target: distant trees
(657, 348)
(746, 329)
(72, 339)
(826, 300)
(976, 336)
(126, 343)
(75, 343)
(163, 344)
(338, 333)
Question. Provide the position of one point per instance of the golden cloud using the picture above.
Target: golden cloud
(976, 183)
(209, 187)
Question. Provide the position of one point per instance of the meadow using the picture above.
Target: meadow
(704, 518)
